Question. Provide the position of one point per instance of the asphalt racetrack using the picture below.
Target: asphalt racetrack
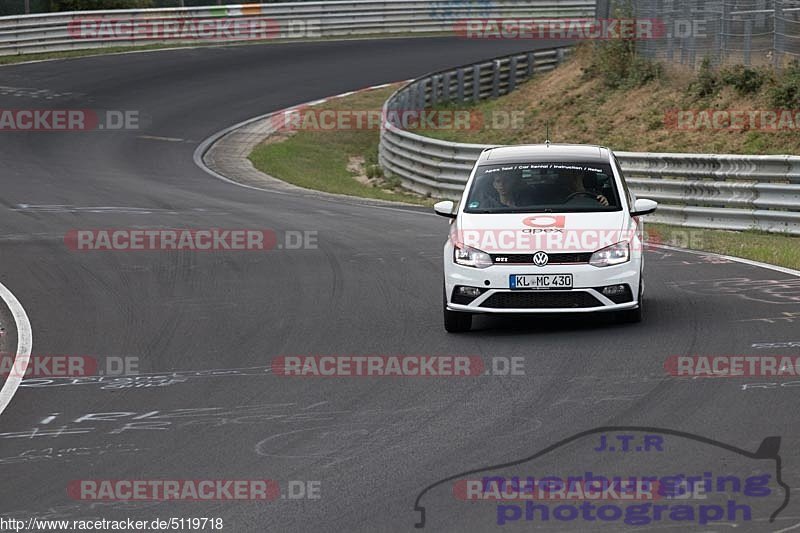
(205, 327)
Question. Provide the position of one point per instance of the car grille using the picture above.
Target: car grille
(555, 259)
(541, 300)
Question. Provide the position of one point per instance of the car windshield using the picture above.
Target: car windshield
(543, 188)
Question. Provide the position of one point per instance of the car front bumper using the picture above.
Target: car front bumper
(584, 297)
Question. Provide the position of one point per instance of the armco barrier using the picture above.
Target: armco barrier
(696, 190)
(51, 32)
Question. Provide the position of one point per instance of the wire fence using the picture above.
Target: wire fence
(749, 32)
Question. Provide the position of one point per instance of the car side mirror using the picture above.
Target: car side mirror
(643, 207)
(445, 209)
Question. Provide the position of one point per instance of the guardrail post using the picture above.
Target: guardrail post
(603, 9)
(512, 74)
(404, 101)
(559, 56)
(476, 83)
(460, 85)
(531, 66)
(434, 90)
(446, 87)
(426, 93)
(495, 79)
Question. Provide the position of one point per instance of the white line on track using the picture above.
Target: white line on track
(158, 138)
(24, 345)
(790, 528)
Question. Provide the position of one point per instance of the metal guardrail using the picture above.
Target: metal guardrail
(441, 168)
(51, 32)
(695, 190)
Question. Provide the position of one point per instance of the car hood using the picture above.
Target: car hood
(552, 233)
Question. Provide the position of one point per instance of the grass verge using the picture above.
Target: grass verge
(69, 54)
(772, 248)
(342, 161)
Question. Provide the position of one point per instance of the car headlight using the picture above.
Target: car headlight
(616, 254)
(471, 257)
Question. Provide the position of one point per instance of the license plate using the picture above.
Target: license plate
(540, 282)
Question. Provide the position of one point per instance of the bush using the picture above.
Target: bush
(643, 71)
(744, 80)
(392, 182)
(617, 65)
(786, 91)
(707, 82)
(374, 171)
(616, 62)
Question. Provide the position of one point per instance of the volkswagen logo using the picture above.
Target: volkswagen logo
(540, 259)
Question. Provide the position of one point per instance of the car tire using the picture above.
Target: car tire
(455, 321)
(630, 316)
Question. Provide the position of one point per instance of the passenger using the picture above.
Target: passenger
(512, 191)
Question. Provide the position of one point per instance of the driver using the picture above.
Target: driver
(576, 189)
(510, 190)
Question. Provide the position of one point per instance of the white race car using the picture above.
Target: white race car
(548, 228)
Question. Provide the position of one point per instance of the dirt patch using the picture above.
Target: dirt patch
(356, 166)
